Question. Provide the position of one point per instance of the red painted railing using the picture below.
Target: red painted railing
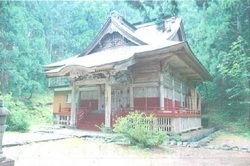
(158, 112)
(162, 110)
(64, 111)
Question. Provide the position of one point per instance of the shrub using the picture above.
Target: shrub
(24, 113)
(140, 130)
(18, 120)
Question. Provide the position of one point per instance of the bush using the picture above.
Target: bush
(140, 130)
(29, 112)
(18, 120)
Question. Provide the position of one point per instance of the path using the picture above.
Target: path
(43, 134)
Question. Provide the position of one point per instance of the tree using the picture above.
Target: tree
(156, 11)
(23, 49)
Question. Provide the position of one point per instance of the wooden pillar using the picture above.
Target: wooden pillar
(199, 103)
(131, 96)
(181, 98)
(162, 104)
(73, 106)
(107, 104)
(99, 97)
(173, 98)
(77, 97)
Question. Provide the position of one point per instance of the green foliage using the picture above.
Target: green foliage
(156, 10)
(23, 50)
(40, 109)
(218, 33)
(235, 68)
(27, 113)
(18, 120)
(104, 129)
(140, 130)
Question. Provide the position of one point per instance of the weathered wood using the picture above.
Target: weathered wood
(199, 104)
(145, 77)
(162, 96)
(131, 96)
(146, 84)
(99, 97)
(124, 66)
(107, 104)
(73, 106)
(91, 81)
(173, 100)
(77, 97)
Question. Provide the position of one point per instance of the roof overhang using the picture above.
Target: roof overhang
(177, 55)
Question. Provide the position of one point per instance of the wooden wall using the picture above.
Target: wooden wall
(146, 97)
(146, 72)
(120, 97)
(175, 92)
(89, 99)
(60, 99)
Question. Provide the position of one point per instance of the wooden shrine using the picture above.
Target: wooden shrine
(130, 67)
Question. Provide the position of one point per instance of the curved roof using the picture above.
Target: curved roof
(149, 43)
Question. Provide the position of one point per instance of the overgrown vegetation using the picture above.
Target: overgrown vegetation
(139, 129)
(27, 113)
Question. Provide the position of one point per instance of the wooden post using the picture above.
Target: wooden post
(77, 97)
(107, 105)
(73, 106)
(194, 100)
(99, 97)
(131, 97)
(199, 103)
(162, 104)
(181, 98)
(173, 98)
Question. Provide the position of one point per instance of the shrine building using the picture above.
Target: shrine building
(130, 67)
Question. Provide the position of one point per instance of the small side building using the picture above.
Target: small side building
(126, 68)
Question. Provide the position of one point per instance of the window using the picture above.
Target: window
(68, 98)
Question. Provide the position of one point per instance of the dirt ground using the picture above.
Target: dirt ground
(80, 152)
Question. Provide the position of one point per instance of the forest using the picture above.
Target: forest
(35, 33)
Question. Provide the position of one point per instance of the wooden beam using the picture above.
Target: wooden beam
(187, 73)
(180, 68)
(165, 62)
(125, 65)
(155, 57)
(91, 81)
(146, 84)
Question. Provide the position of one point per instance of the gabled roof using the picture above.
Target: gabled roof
(145, 41)
(114, 23)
